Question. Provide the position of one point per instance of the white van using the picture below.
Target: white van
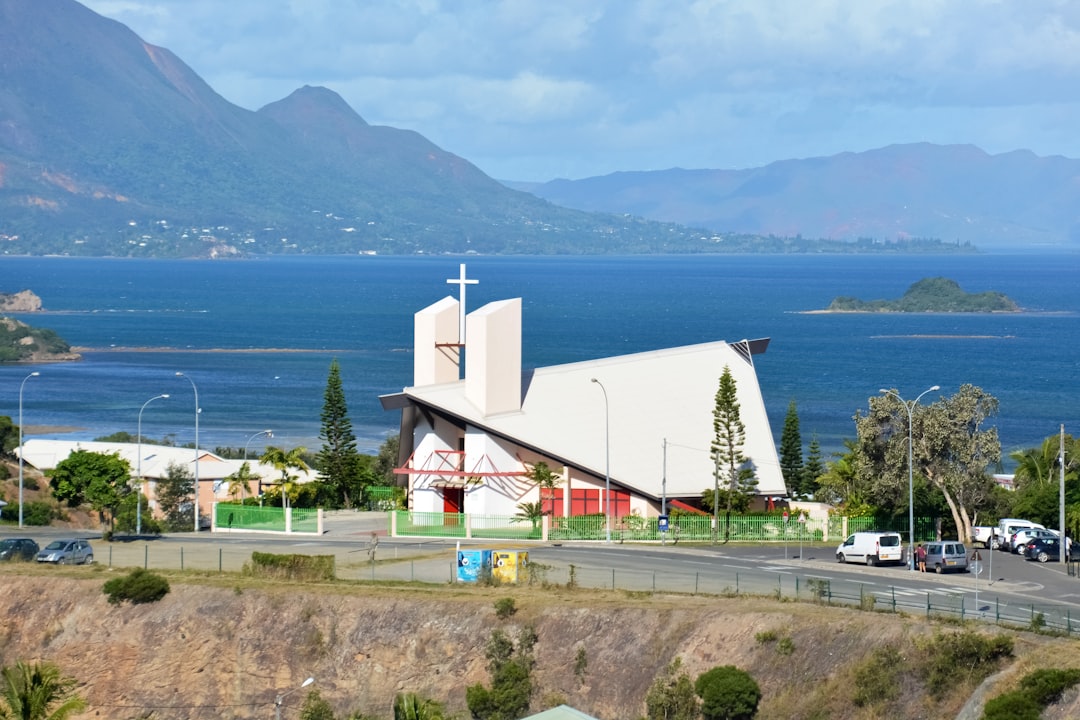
(1007, 526)
(872, 548)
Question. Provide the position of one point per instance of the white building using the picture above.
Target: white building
(467, 443)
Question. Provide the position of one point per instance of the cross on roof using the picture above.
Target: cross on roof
(461, 282)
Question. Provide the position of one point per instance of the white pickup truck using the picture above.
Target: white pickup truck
(986, 535)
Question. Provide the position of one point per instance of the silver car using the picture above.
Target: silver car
(67, 552)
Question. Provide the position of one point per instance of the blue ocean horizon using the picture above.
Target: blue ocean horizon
(257, 336)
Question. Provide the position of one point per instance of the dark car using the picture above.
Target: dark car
(1043, 549)
(23, 549)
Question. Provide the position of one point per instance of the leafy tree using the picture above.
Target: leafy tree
(951, 449)
(547, 480)
(842, 485)
(174, 493)
(37, 692)
(410, 706)
(120, 437)
(283, 461)
(727, 693)
(99, 479)
(791, 457)
(671, 696)
(511, 678)
(126, 519)
(729, 436)
(316, 708)
(387, 460)
(338, 460)
(9, 437)
(813, 469)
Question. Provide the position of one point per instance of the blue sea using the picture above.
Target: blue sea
(256, 337)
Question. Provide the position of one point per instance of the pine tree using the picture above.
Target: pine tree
(791, 457)
(813, 469)
(729, 436)
(338, 461)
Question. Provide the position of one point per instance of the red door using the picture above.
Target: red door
(453, 503)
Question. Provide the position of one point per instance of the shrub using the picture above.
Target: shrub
(504, 608)
(34, 513)
(876, 677)
(950, 654)
(1012, 706)
(671, 696)
(785, 646)
(140, 586)
(1047, 684)
(291, 567)
(765, 636)
(727, 693)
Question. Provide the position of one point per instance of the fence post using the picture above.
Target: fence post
(110, 556)
(181, 557)
(697, 574)
(927, 604)
(893, 588)
(997, 610)
(146, 557)
(654, 581)
(612, 578)
(736, 583)
(219, 559)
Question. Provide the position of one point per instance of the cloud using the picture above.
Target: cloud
(580, 87)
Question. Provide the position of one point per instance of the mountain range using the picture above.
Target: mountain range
(951, 192)
(112, 146)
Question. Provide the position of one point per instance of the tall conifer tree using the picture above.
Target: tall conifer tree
(729, 434)
(813, 469)
(791, 457)
(338, 461)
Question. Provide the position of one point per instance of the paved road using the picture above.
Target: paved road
(1009, 587)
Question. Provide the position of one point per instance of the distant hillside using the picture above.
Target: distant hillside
(112, 146)
(931, 295)
(957, 193)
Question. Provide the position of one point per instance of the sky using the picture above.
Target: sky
(534, 90)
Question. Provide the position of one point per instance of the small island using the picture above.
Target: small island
(930, 295)
(21, 343)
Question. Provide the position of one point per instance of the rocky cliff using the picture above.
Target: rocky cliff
(23, 301)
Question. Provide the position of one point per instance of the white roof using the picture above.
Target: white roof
(651, 396)
(46, 454)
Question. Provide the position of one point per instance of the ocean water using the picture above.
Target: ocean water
(257, 336)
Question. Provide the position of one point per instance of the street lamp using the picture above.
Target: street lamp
(138, 465)
(195, 504)
(21, 385)
(910, 469)
(282, 696)
(267, 433)
(607, 462)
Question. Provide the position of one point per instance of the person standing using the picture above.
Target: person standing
(920, 557)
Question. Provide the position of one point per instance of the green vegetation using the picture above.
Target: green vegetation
(98, 479)
(511, 688)
(311, 568)
(876, 678)
(338, 461)
(727, 693)
(138, 587)
(930, 295)
(19, 341)
(37, 692)
(505, 608)
(961, 656)
(729, 434)
(671, 696)
(1038, 690)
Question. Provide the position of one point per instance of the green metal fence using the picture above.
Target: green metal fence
(691, 528)
(249, 517)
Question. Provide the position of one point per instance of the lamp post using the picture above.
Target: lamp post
(607, 463)
(267, 433)
(910, 468)
(138, 465)
(195, 504)
(21, 386)
(282, 696)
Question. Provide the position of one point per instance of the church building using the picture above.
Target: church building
(641, 424)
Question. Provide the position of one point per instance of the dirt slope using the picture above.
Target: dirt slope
(221, 648)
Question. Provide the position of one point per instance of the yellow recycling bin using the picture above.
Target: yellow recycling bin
(510, 566)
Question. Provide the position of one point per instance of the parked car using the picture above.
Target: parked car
(1008, 527)
(1042, 549)
(872, 548)
(946, 556)
(67, 552)
(23, 549)
(1021, 538)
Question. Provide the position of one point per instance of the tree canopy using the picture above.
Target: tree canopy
(338, 460)
(98, 479)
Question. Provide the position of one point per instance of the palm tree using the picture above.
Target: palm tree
(284, 461)
(37, 692)
(409, 706)
(546, 480)
(240, 481)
